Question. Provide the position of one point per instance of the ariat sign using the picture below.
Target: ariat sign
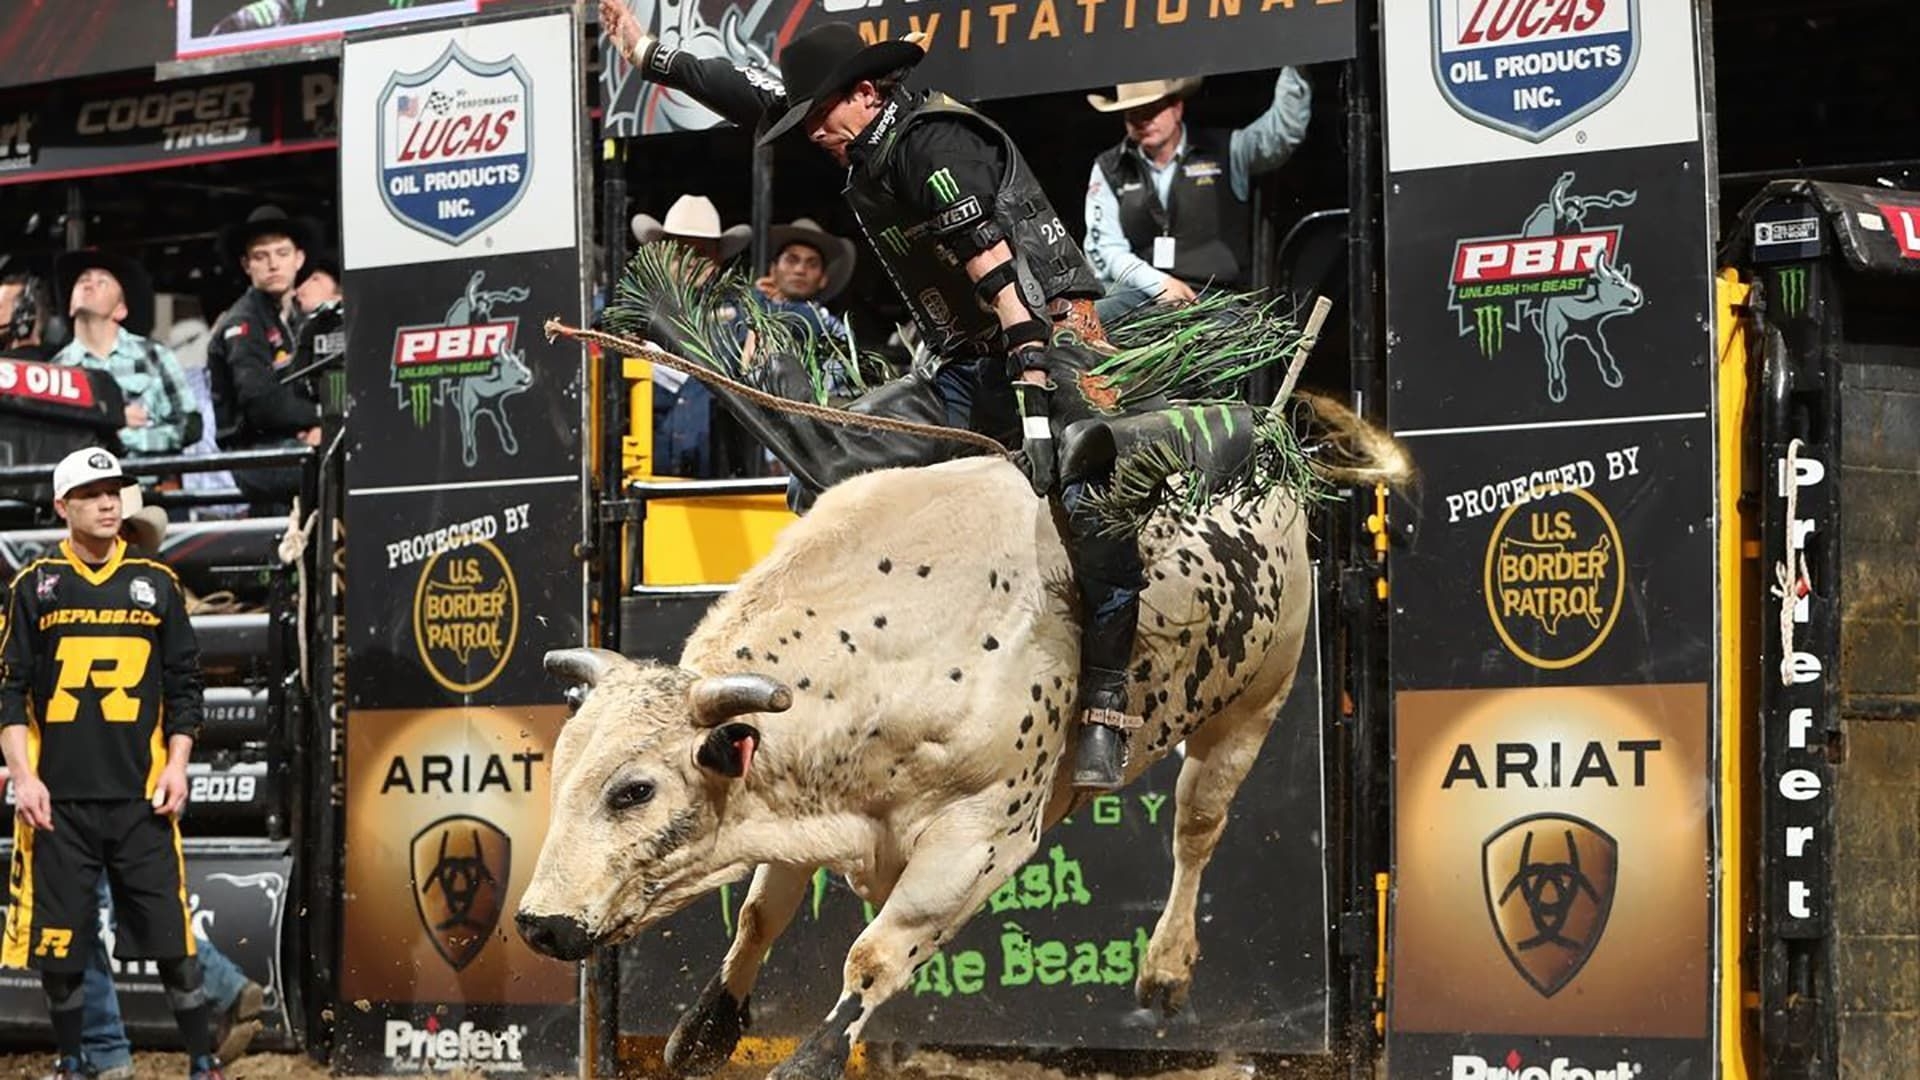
(1472, 1067)
(433, 1047)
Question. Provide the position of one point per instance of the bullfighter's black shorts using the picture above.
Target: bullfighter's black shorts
(52, 912)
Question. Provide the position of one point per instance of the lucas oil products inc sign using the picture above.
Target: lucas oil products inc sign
(454, 151)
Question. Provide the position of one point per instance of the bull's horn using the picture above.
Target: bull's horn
(718, 698)
(583, 666)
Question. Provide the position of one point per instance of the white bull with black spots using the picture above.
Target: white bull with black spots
(888, 694)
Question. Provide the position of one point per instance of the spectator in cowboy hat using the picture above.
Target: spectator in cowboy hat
(683, 443)
(110, 299)
(810, 267)
(694, 221)
(1167, 211)
(252, 344)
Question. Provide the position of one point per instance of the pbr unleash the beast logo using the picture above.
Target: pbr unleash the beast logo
(467, 361)
(1531, 68)
(456, 144)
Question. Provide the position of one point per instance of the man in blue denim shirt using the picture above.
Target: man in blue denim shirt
(1167, 211)
(810, 267)
(111, 301)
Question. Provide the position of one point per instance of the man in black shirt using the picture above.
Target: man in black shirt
(100, 703)
(253, 345)
(969, 239)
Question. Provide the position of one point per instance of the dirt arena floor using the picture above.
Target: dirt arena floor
(925, 1065)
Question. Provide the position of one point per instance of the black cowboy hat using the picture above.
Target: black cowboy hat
(134, 281)
(828, 59)
(268, 219)
(320, 262)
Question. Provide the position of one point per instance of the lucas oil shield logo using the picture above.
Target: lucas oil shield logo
(1549, 882)
(468, 362)
(1561, 276)
(456, 143)
(460, 867)
(1531, 68)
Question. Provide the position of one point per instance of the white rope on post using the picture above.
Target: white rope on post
(1308, 338)
(1791, 582)
(292, 551)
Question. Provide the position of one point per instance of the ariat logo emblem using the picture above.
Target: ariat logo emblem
(1549, 881)
(54, 942)
(460, 868)
(945, 188)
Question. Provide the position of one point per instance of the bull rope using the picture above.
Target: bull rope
(825, 414)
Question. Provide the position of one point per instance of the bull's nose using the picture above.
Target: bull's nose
(562, 937)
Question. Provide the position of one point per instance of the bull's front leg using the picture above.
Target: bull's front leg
(707, 1033)
(955, 867)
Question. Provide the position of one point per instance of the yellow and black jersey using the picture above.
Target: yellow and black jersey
(101, 661)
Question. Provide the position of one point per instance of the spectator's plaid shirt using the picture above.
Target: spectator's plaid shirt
(149, 375)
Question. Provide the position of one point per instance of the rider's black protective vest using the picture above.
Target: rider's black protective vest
(1209, 226)
(928, 275)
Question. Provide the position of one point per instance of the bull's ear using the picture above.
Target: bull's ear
(728, 750)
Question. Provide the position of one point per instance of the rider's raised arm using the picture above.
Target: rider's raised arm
(740, 94)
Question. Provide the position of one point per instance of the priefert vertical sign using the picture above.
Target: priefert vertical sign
(1800, 662)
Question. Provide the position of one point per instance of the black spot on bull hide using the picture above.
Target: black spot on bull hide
(1239, 579)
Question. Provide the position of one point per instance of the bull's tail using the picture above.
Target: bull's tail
(1343, 449)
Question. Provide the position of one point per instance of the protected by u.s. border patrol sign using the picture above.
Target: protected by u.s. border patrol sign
(456, 143)
(1531, 68)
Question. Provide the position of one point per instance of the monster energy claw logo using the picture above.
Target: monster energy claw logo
(894, 238)
(1791, 283)
(1491, 325)
(944, 187)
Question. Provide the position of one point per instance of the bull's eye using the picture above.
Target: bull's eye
(630, 794)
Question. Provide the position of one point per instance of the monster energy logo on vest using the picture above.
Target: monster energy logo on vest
(924, 270)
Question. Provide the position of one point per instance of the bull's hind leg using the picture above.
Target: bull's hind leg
(955, 866)
(704, 1038)
(1219, 755)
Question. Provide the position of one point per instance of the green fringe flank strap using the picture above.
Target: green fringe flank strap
(1158, 479)
(1201, 349)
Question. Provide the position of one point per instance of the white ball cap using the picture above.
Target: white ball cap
(83, 467)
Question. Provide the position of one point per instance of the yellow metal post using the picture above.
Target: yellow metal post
(1738, 539)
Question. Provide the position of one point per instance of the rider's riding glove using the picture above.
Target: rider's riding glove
(1036, 437)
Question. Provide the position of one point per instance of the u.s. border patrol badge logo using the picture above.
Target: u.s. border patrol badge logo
(456, 143)
(1531, 68)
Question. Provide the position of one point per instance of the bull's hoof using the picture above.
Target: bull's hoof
(704, 1038)
(817, 1059)
(823, 1056)
(1165, 993)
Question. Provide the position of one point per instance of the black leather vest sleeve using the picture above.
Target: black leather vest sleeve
(923, 218)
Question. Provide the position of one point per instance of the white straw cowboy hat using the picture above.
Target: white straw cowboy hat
(145, 525)
(837, 252)
(1135, 94)
(694, 217)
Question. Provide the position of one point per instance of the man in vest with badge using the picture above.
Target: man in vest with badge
(987, 270)
(1167, 208)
